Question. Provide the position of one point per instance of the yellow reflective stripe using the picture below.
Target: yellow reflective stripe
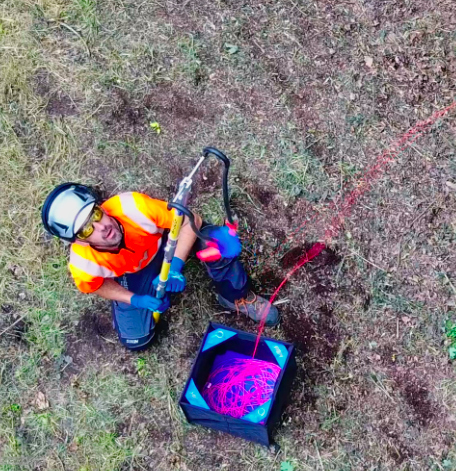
(89, 266)
(129, 208)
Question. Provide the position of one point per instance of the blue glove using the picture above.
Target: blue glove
(176, 281)
(228, 244)
(149, 302)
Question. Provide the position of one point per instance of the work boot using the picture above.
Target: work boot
(253, 306)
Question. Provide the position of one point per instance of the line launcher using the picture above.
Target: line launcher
(179, 206)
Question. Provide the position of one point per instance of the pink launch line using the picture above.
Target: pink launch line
(312, 253)
(372, 173)
(238, 387)
(342, 208)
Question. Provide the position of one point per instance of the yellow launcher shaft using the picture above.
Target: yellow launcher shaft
(168, 257)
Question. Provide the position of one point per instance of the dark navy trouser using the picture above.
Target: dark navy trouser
(135, 327)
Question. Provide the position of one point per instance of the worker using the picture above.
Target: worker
(117, 251)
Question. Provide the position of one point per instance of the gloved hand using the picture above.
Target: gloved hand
(228, 241)
(146, 301)
(176, 281)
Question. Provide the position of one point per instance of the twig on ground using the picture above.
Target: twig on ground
(59, 460)
(69, 28)
(339, 270)
(319, 457)
(372, 263)
(313, 143)
(282, 301)
(450, 283)
(382, 388)
(13, 324)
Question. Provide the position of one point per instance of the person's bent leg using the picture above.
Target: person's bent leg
(136, 327)
(233, 287)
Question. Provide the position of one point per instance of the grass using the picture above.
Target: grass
(299, 174)
(286, 91)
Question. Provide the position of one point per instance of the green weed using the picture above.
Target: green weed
(450, 332)
(298, 173)
(384, 295)
(83, 14)
(212, 210)
(141, 365)
(295, 176)
(192, 66)
(28, 369)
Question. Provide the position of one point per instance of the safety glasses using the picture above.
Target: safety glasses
(87, 229)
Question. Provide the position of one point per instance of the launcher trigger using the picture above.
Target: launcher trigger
(209, 254)
(212, 252)
(232, 227)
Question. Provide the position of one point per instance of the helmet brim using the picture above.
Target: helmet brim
(82, 217)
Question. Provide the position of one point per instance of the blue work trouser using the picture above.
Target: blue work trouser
(135, 327)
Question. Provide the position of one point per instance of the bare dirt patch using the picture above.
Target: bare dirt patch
(173, 103)
(126, 115)
(417, 396)
(93, 339)
(58, 103)
(320, 271)
(317, 337)
(176, 111)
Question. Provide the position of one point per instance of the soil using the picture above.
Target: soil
(319, 271)
(267, 281)
(94, 340)
(167, 101)
(58, 103)
(416, 394)
(317, 337)
(328, 257)
(126, 115)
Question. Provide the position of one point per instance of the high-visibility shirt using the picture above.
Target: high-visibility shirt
(143, 220)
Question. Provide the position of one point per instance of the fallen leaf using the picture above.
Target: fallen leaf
(451, 185)
(73, 447)
(369, 61)
(41, 401)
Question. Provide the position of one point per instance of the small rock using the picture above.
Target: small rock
(369, 61)
(73, 447)
(41, 401)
